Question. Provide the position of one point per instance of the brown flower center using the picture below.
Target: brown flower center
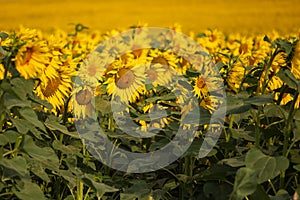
(200, 83)
(27, 56)
(52, 87)
(152, 74)
(83, 97)
(92, 69)
(160, 60)
(124, 78)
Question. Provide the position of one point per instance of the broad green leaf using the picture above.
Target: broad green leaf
(274, 110)
(235, 162)
(11, 101)
(3, 35)
(281, 195)
(266, 167)
(9, 136)
(169, 96)
(102, 105)
(29, 191)
(289, 78)
(236, 105)
(100, 188)
(260, 194)
(22, 87)
(69, 149)
(22, 125)
(260, 99)
(297, 167)
(44, 155)
(29, 115)
(38, 169)
(245, 182)
(54, 125)
(68, 176)
(138, 190)
(18, 165)
(240, 133)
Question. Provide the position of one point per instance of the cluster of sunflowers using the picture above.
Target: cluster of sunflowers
(140, 71)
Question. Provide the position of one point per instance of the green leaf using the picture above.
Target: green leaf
(102, 105)
(240, 133)
(3, 35)
(236, 105)
(29, 191)
(266, 167)
(68, 150)
(289, 78)
(31, 117)
(169, 96)
(100, 188)
(139, 190)
(54, 125)
(9, 136)
(235, 162)
(17, 164)
(260, 194)
(297, 167)
(44, 155)
(21, 125)
(245, 182)
(11, 101)
(260, 99)
(274, 110)
(281, 195)
(22, 87)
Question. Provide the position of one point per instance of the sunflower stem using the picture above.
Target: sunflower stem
(287, 133)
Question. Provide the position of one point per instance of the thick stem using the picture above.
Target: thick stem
(287, 133)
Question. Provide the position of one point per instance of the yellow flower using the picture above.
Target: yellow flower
(127, 82)
(235, 77)
(55, 83)
(93, 67)
(200, 88)
(82, 102)
(159, 74)
(2, 71)
(296, 61)
(28, 34)
(32, 59)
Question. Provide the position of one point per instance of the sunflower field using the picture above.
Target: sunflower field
(44, 103)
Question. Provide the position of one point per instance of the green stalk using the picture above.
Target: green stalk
(79, 194)
(266, 71)
(287, 133)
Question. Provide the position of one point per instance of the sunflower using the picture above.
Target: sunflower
(55, 83)
(200, 87)
(82, 102)
(158, 74)
(32, 59)
(92, 68)
(235, 77)
(126, 82)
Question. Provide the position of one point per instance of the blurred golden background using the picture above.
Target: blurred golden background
(229, 16)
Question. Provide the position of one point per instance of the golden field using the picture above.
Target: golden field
(229, 16)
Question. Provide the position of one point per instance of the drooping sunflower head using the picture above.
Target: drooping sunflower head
(55, 83)
(82, 102)
(32, 58)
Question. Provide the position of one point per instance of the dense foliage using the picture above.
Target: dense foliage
(43, 157)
